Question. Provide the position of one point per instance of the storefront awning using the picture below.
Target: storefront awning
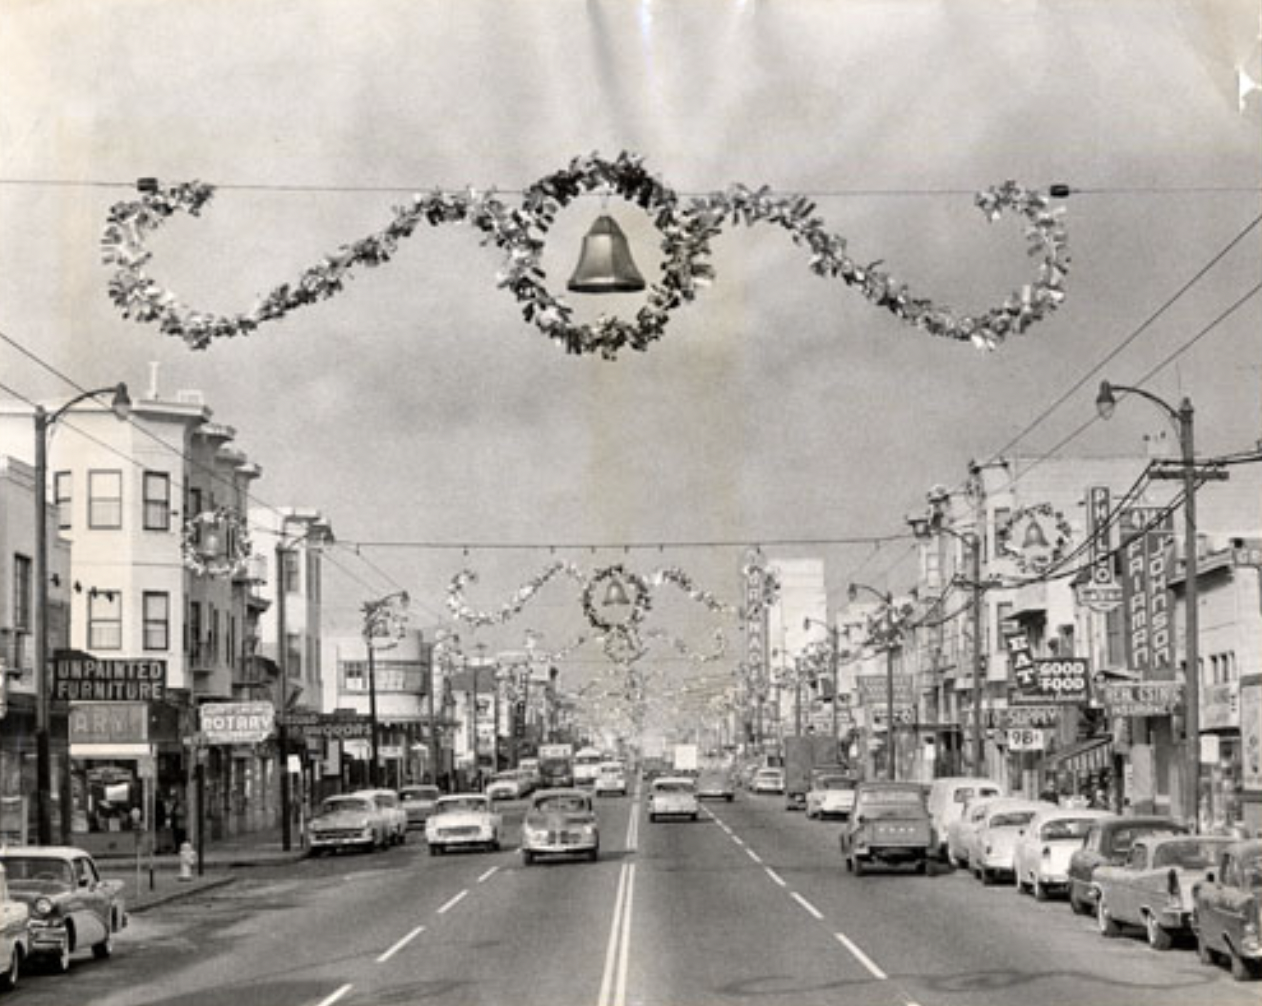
(1084, 756)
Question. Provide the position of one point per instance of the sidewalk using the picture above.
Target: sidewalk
(223, 858)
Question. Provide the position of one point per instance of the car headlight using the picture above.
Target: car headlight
(43, 906)
(534, 834)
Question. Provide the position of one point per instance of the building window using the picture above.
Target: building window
(289, 571)
(105, 620)
(22, 596)
(193, 505)
(193, 627)
(157, 501)
(999, 538)
(105, 499)
(157, 616)
(63, 483)
(293, 654)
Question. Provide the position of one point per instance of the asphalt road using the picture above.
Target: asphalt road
(751, 904)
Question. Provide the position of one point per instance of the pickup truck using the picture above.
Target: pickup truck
(889, 824)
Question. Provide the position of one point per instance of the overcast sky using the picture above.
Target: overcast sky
(418, 406)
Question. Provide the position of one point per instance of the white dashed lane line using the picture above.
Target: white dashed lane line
(861, 957)
(453, 902)
(330, 1000)
(775, 876)
(487, 875)
(401, 944)
(753, 855)
(806, 904)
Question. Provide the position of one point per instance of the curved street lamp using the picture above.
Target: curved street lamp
(120, 405)
(1182, 418)
(887, 601)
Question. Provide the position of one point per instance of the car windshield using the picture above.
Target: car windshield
(26, 869)
(504, 777)
(674, 786)
(564, 804)
(835, 782)
(1065, 827)
(1251, 873)
(340, 804)
(1189, 854)
(769, 773)
(1124, 838)
(1011, 819)
(420, 793)
(898, 797)
(461, 804)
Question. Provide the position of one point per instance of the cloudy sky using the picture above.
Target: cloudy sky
(418, 407)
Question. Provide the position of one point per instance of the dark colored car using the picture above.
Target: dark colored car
(889, 824)
(1109, 842)
(1226, 910)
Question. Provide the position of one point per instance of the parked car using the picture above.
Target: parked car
(715, 782)
(418, 803)
(992, 844)
(960, 833)
(1225, 910)
(1041, 858)
(392, 813)
(889, 824)
(463, 820)
(831, 796)
(673, 796)
(70, 905)
(611, 777)
(529, 768)
(768, 780)
(506, 785)
(560, 822)
(15, 936)
(347, 821)
(1109, 841)
(947, 799)
(1153, 888)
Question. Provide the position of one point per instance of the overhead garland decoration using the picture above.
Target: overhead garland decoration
(672, 574)
(216, 543)
(462, 610)
(520, 232)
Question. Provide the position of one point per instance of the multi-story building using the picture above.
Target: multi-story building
(803, 596)
(152, 510)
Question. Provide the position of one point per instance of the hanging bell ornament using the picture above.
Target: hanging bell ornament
(605, 264)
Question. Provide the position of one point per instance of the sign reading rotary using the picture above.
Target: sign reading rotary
(236, 722)
(81, 676)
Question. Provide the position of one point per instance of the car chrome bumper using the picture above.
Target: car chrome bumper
(47, 939)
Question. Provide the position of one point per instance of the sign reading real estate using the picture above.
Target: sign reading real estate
(1157, 698)
(1147, 603)
(81, 677)
(236, 722)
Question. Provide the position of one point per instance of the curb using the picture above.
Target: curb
(179, 893)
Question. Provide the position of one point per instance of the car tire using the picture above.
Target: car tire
(104, 950)
(730, 797)
(1104, 921)
(59, 964)
(695, 816)
(1018, 882)
(593, 855)
(922, 866)
(1159, 938)
(1040, 891)
(1076, 904)
(9, 980)
(403, 837)
(435, 849)
(652, 818)
(857, 866)
(527, 858)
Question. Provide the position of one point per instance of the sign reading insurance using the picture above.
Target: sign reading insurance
(83, 677)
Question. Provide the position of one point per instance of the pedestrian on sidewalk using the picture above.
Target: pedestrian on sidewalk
(175, 814)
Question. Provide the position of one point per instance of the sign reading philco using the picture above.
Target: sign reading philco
(1142, 698)
(1064, 680)
(1102, 593)
(236, 722)
(108, 723)
(81, 677)
(1147, 557)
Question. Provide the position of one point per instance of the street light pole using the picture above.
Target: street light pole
(1106, 402)
(891, 742)
(121, 407)
(376, 614)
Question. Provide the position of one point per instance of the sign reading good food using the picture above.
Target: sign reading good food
(82, 677)
(1058, 680)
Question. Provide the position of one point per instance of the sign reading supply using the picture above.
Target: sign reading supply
(83, 677)
(236, 722)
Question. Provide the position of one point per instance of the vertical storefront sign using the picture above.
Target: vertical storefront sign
(1147, 558)
(755, 615)
(1251, 736)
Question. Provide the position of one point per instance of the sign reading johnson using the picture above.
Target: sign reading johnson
(80, 676)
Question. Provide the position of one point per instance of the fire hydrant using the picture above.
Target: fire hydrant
(188, 859)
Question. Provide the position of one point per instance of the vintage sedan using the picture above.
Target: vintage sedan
(507, 785)
(70, 905)
(831, 796)
(768, 780)
(1109, 841)
(418, 803)
(390, 807)
(463, 820)
(673, 796)
(611, 777)
(1226, 910)
(348, 821)
(1153, 888)
(560, 822)
(889, 824)
(960, 832)
(715, 782)
(991, 846)
(15, 936)
(1041, 860)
